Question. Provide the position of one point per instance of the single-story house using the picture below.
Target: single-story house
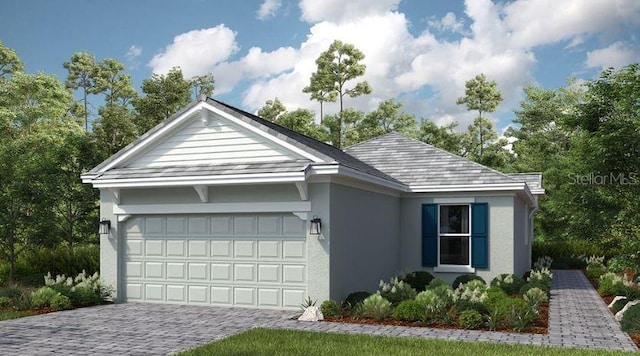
(217, 206)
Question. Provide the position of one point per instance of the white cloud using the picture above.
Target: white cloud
(616, 55)
(448, 23)
(268, 9)
(133, 52)
(196, 52)
(343, 11)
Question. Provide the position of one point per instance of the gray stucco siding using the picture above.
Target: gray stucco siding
(521, 247)
(365, 245)
(500, 242)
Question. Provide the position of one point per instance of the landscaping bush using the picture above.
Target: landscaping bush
(471, 295)
(396, 291)
(610, 284)
(418, 280)
(618, 305)
(513, 313)
(331, 308)
(11, 293)
(60, 302)
(5, 302)
(631, 320)
(376, 307)
(619, 264)
(470, 319)
(444, 292)
(494, 295)
(436, 282)
(356, 298)
(566, 254)
(433, 305)
(83, 290)
(535, 297)
(42, 298)
(509, 283)
(466, 278)
(543, 262)
(409, 310)
(595, 270)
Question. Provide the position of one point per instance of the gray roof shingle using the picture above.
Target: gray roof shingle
(416, 163)
(533, 180)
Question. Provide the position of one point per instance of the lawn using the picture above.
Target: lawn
(15, 314)
(289, 342)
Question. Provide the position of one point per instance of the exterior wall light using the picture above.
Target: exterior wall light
(105, 226)
(316, 226)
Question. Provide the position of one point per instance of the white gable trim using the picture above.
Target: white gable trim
(205, 111)
(212, 208)
(262, 133)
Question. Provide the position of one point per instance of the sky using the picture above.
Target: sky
(418, 52)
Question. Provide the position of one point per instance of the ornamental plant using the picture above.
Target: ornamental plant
(396, 291)
(331, 308)
(535, 297)
(376, 307)
(543, 262)
(433, 304)
(471, 295)
(470, 319)
(418, 280)
(42, 297)
(610, 284)
(409, 310)
(631, 320)
(82, 290)
(509, 283)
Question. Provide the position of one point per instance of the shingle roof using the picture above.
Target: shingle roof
(416, 163)
(533, 180)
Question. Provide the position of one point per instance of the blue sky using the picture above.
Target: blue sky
(419, 52)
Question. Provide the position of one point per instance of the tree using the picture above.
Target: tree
(116, 86)
(203, 85)
(337, 66)
(477, 138)
(320, 91)
(9, 62)
(484, 97)
(443, 137)
(299, 120)
(343, 128)
(83, 71)
(164, 95)
(385, 119)
(272, 109)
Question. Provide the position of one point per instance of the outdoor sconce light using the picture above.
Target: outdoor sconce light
(105, 226)
(316, 226)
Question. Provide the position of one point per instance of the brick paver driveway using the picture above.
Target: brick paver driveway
(127, 329)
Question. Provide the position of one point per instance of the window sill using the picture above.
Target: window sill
(454, 269)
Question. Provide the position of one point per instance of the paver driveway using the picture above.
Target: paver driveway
(128, 329)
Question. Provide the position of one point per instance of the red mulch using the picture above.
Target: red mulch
(540, 326)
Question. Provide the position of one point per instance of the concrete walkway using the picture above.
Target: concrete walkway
(577, 318)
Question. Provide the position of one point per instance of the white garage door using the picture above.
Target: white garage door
(228, 260)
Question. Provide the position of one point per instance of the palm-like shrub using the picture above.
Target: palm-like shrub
(376, 307)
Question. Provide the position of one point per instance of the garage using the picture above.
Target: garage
(239, 260)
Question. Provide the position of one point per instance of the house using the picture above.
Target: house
(216, 206)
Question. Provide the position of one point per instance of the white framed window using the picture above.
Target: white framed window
(454, 235)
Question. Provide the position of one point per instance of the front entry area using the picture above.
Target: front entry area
(239, 260)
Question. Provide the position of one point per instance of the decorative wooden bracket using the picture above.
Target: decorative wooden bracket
(303, 215)
(123, 218)
(303, 189)
(203, 192)
(115, 192)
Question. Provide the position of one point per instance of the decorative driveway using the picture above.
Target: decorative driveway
(128, 329)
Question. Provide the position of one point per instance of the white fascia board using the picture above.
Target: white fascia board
(339, 170)
(151, 139)
(213, 208)
(203, 180)
(466, 188)
(262, 133)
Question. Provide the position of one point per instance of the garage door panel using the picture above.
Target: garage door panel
(154, 270)
(221, 272)
(176, 270)
(176, 293)
(197, 248)
(176, 248)
(154, 248)
(221, 249)
(244, 296)
(269, 249)
(216, 259)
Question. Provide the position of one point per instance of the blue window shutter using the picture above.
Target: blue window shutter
(480, 235)
(429, 235)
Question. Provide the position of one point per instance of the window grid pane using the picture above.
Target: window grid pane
(454, 235)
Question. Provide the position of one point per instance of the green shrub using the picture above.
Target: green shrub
(10, 292)
(331, 308)
(436, 282)
(631, 319)
(5, 302)
(42, 298)
(418, 280)
(618, 305)
(466, 278)
(509, 283)
(433, 305)
(470, 319)
(515, 313)
(535, 283)
(610, 284)
(471, 296)
(60, 302)
(33, 280)
(543, 262)
(376, 307)
(409, 310)
(444, 292)
(595, 270)
(619, 264)
(540, 278)
(566, 254)
(396, 291)
(535, 297)
(494, 295)
(83, 290)
(356, 298)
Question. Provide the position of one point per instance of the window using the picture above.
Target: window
(454, 235)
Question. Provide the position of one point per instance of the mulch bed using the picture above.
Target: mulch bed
(540, 326)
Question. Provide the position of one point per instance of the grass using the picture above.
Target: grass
(15, 314)
(290, 342)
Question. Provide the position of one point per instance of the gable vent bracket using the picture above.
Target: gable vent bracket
(116, 194)
(303, 189)
(203, 192)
